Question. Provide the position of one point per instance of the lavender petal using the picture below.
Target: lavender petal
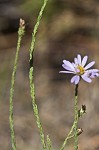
(89, 65)
(84, 60)
(79, 59)
(69, 64)
(86, 78)
(75, 79)
(75, 61)
(67, 67)
(93, 70)
(94, 74)
(66, 72)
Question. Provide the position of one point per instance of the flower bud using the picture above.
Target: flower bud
(82, 111)
(80, 130)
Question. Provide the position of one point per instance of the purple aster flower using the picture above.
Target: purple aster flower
(94, 73)
(79, 69)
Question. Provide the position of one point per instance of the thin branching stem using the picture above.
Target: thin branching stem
(74, 126)
(31, 76)
(67, 138)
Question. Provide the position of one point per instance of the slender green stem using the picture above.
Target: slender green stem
(35, 30)
(67, 138)
(49, 144)
(11, 121)
(35, 109)
(76, 119)
(70, 137)
(31, 76)
(74, 127)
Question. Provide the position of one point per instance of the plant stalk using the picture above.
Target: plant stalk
(76, 119)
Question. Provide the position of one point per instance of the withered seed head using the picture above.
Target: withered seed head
(84, 108)
(22, 22)
(80, 130)
(82, 111)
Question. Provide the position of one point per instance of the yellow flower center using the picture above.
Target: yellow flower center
(81, 69)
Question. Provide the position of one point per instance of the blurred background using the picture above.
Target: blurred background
(67, 28)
